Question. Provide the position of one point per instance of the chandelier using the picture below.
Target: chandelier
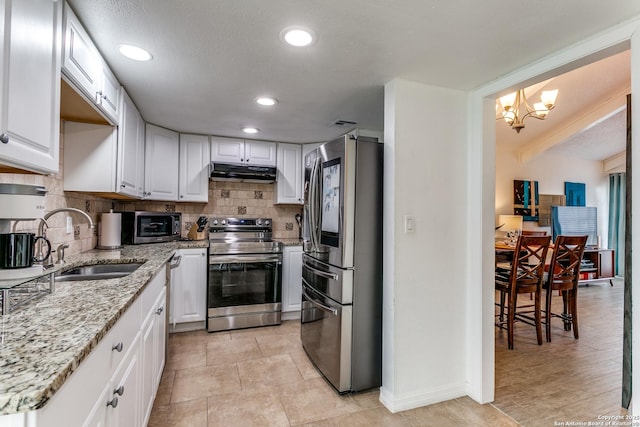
(515, 108)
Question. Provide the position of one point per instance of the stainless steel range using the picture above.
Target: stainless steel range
(245, 274)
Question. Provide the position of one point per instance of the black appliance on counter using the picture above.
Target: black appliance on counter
(245, 274)
(150, 227)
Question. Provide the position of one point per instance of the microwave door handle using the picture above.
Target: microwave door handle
(317, 304)
(321, 273)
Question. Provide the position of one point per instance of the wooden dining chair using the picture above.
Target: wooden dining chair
(563, 275)
(524, 275)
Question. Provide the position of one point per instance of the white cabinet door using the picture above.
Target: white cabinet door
(161, 163)
(292, 278)
(289, 182)
(152, 356)
(160, 328)
(98, 416)
(30, 47)
(261, 153)
(194, 168)
(130, 149)
(125, 387)
(189, 287)
(108, 95)
(227, 150)
(81, 64)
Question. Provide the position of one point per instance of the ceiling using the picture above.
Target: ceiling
(213, 57)
(589, 120)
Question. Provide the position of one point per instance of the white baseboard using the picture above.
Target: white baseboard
(186, 327)
(291, 315)
(415, 400)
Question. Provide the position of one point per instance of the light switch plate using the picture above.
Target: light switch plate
(409, 224)
(69, 225)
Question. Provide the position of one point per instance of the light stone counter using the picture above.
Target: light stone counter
(42, 343)
(289, 242)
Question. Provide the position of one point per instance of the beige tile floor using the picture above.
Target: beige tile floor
(262, 377)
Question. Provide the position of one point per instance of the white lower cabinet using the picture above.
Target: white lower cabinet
(188, 296)
(116, 384)
(292, 281)
(152, 354)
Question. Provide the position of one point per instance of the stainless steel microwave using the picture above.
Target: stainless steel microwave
(150, 227)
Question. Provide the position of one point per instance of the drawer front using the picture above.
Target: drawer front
(151, 292)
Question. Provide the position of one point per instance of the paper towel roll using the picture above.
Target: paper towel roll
(110, 230)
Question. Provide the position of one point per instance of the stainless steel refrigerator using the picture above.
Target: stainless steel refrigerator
(341, 327)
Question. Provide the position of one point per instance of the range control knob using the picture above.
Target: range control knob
(215, 222)
(258, 222)
(266, 222)
(224, 222)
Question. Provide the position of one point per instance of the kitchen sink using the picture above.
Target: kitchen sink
(98, 272)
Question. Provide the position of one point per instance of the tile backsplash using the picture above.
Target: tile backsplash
(226, 199)
(230, 199)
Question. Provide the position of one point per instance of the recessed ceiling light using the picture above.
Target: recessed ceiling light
(250, 130)
(297, 36)
(134, 52)
(266, 100)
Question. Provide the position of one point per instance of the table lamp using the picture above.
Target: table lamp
(511, 225)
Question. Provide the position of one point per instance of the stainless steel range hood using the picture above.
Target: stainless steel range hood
(245, 173)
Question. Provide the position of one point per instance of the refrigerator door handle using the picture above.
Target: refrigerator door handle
(321, 273)
(316, 303)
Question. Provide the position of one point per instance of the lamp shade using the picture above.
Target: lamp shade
(511, 222)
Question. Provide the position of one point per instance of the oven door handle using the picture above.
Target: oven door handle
(321, 273)
(242, 259)
(316, 303)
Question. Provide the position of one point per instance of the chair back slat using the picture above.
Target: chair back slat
(564, 270)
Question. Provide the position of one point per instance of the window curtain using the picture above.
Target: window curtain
(617, 193)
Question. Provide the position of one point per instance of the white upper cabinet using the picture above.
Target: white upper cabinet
(289, 182)
(30, 46)
(241, 151)
(260, 153)
(82, 63)
(194, 168)
(161, 163)
(227, 150)
(130, 149)
(108, 97)
(85, 68)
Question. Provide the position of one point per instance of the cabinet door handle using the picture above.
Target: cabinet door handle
(122, 185)
(119, 391)
(113, 402)
(4, 138)
(159, 311)
(118, 347)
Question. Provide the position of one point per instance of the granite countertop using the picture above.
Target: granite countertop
(42, 343)
(289, 242)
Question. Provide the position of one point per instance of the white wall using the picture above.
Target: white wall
(551, 172)
(424, 322)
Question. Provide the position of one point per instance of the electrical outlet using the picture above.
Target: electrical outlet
(69, 225)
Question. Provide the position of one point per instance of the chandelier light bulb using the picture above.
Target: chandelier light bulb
(541, 109)
(507, 101)
(548, 98)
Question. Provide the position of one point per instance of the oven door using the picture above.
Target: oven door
(239, 280)
(325, 332)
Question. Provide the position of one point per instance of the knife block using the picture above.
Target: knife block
(194, 234)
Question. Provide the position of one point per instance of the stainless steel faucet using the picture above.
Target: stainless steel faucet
(60, 251)
(44, 222)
